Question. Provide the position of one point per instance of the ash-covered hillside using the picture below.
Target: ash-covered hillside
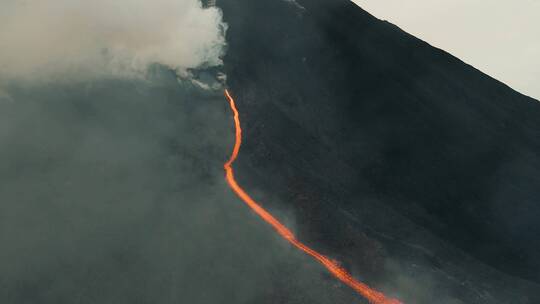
(418, 173)
(410, 165)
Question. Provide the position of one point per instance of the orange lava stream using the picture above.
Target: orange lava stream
(373, 296)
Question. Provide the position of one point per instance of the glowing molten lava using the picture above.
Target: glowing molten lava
(340, 273)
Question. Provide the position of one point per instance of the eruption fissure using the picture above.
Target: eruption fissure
(373, 296)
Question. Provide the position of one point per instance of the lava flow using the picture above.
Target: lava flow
(373, 296)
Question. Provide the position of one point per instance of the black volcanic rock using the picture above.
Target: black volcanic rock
(398, 158)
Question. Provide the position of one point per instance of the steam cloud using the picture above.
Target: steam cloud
(65, 40)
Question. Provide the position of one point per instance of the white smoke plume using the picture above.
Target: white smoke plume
(66, 40)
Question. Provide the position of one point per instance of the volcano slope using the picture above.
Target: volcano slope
(414, 169)
(113, 192)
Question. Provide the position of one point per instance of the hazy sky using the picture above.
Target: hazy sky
(499, 37)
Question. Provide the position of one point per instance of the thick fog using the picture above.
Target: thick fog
(78, 40)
